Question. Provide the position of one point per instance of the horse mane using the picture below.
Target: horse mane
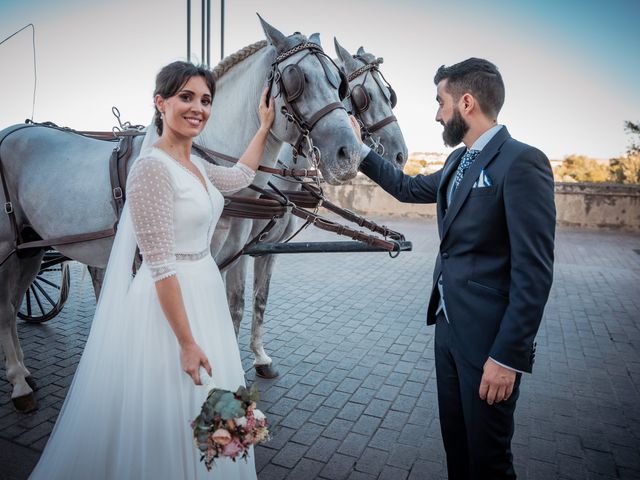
(231, 60)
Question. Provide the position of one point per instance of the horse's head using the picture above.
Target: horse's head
(308, 88)
(371, 99)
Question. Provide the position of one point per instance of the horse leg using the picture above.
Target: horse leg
(235, 285)
(263, 267)
(97, 277)
(17, 275)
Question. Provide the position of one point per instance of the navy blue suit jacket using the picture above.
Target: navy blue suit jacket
(496, 245)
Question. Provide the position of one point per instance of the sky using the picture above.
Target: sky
(571, 68)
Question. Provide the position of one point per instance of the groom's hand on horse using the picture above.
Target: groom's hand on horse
(191, 358)
(497, 382)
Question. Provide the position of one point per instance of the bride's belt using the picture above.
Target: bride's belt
(191, 257)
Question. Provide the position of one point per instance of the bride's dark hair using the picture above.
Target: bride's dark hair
(172, 77)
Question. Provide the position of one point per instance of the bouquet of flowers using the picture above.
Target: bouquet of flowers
(228, 424)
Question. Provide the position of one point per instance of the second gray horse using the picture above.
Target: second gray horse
(372, 107)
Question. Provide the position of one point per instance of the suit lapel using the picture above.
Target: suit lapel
(462, 192)
(449, 169)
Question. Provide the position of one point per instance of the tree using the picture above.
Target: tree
(633, 129)
(582, 169)
(626, 169)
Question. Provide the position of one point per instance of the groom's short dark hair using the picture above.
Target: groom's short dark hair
(478, 77)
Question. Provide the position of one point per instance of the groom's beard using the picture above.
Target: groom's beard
(454, 130)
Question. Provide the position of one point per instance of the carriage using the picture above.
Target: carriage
(49, 290)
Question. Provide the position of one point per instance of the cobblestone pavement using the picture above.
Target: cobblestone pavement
(356, 398)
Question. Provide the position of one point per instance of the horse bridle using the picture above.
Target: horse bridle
(361, 100)
(291, 84)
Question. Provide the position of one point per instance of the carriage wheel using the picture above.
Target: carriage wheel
(48, 292)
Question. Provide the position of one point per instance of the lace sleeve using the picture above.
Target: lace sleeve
(229, 179)
(150, 199)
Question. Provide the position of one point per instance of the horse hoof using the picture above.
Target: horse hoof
(32, 383)
(266, 371)
(26, 403)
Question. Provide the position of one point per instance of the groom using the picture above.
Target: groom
(496, 220)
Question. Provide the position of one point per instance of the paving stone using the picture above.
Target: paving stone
(296, 419)
(383, 438)
(366, 425)
(263, 456)
(377, 408)
(289, 455)
(351, 411)
(353, 444)
(307, 434)
(338, 429)
(393, 473)
(311, 402)
(372, 461)
(274, 472)
(306, 469)
(337, 399)
(355, 475)
(324, 415)
(363, 395)
(338, 467)
(323, 449)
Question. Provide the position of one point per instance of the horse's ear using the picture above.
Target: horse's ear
(361, 51)
(274, 36)
(345, 59)
(315, 38)
(342, 52)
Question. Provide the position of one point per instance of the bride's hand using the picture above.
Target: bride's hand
(267, 111)
(191, 358)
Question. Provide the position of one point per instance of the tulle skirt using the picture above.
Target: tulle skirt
(129, 408)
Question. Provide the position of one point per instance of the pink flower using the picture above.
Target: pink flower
(221, 437)
(233, 449)
(251, 423)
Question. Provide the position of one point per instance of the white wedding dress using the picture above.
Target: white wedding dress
(128, 411)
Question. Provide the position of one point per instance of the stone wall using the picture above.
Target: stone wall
(590, 205)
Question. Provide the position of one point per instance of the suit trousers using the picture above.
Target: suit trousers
(476, 435)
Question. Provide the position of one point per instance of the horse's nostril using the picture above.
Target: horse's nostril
(343, 153)
(400, 158)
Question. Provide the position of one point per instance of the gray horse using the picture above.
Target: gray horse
(388, 140)
(59, 181)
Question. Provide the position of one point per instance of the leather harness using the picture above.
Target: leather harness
(272, 204)
(360, 99)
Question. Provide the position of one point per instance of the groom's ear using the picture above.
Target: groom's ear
(468, 104)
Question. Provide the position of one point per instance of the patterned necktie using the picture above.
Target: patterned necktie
(465, 163)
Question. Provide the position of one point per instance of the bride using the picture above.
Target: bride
(137, 387)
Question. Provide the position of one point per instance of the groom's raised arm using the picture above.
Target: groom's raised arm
(405, 188)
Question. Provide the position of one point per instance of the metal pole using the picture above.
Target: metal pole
(208, 33)
(188, 30)
(202, 57)
(221, 29)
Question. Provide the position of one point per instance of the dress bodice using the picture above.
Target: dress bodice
(173, 214)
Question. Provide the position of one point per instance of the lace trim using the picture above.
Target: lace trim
(192, 256)
(162, 276)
